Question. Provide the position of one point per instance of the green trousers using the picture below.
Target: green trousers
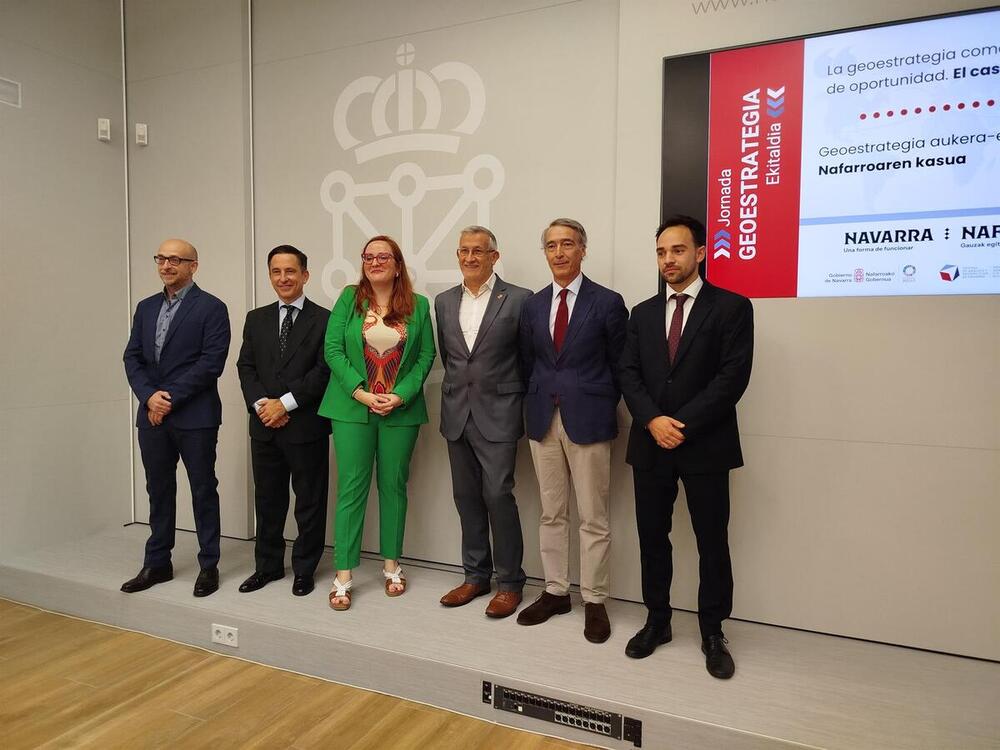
(360, 448)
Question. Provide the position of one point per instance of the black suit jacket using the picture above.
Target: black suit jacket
(301, 371)
(708, 376)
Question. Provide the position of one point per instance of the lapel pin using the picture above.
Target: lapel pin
(500, 296)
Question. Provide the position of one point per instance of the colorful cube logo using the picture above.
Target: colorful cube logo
(949, 273)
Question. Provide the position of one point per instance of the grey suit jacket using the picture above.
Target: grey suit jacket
(486, 382)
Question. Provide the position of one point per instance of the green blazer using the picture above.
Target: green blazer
(344, 349)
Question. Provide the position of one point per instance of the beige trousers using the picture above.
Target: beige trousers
(559, 461)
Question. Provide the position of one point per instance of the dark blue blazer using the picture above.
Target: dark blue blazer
(193, 357)
(583, 377)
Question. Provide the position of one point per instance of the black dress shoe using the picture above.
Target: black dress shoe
(148, 577)
(718, 660)
(543, 608)
(644, 643)
(302, 585)
(258, 580)
(207, 582)
(596, 624)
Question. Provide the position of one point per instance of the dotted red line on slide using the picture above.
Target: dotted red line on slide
(930, 110)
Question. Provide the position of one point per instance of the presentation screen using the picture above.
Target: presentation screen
(858, 163)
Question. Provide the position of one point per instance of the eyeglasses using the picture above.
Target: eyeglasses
(370, 258)
(172, 260)
(474, 252)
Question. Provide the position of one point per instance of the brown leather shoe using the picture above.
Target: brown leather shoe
(504, 604)
(464, 594)
(543, 608)
(597, 626)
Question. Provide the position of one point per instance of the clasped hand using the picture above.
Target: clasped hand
(158, 406)
(666, 431)
(379, 403)
(272, 413)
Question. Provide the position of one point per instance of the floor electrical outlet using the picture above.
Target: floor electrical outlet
(226, 635)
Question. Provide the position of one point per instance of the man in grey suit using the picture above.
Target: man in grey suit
(477, 325)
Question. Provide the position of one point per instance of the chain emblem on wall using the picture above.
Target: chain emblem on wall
(392, 131)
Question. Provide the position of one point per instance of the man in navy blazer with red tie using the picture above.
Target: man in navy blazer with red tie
(572, 334)
(174, 357)
(685, 366)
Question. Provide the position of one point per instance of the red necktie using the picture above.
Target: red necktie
(676, 325)
(562, 321)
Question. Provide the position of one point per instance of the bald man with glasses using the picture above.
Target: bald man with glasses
(174, 357)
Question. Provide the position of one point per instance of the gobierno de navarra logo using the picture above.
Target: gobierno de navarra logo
(401, 119)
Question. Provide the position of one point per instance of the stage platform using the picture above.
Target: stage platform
(791, 690)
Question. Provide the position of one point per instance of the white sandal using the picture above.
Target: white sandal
(395, 578)
(341, 590)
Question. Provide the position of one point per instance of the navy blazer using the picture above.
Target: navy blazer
(193, 357)
(583, 377)
(708, 376)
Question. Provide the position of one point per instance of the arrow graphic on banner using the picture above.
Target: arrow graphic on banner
(721, 245)
(775, 102)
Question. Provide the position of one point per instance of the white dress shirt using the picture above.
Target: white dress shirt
(287, 400)
(574, 292)
(472, 309)
(691, 291)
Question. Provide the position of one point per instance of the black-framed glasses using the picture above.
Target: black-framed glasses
(172, 260)
(370, 258)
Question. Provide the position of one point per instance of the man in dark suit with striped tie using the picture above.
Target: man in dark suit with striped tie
(686, 364)
(283, 375)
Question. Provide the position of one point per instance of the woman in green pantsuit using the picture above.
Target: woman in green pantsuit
(380, 348)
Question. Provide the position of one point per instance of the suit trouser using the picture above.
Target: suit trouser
(358, 447)
(482, 478)
(708, 504)
(559, 461)
(160, 448)
(308, 465)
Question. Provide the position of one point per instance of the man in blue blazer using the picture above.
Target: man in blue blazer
(572, 334)
(174, 357)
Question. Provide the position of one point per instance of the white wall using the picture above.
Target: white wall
(867, 506)
(843, 520)
(870, 429)
(62, 270)
(186, 63)
(546, 104)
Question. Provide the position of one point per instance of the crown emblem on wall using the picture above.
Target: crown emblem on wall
(393, 127)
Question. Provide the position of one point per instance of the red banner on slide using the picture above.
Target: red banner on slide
(754, 160)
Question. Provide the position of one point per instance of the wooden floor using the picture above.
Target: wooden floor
(72, 683)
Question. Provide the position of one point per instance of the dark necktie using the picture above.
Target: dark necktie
(286, 328)
(562, 321)
(676, 325)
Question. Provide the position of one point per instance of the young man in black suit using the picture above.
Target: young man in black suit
(283, 374)
(686, 364)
